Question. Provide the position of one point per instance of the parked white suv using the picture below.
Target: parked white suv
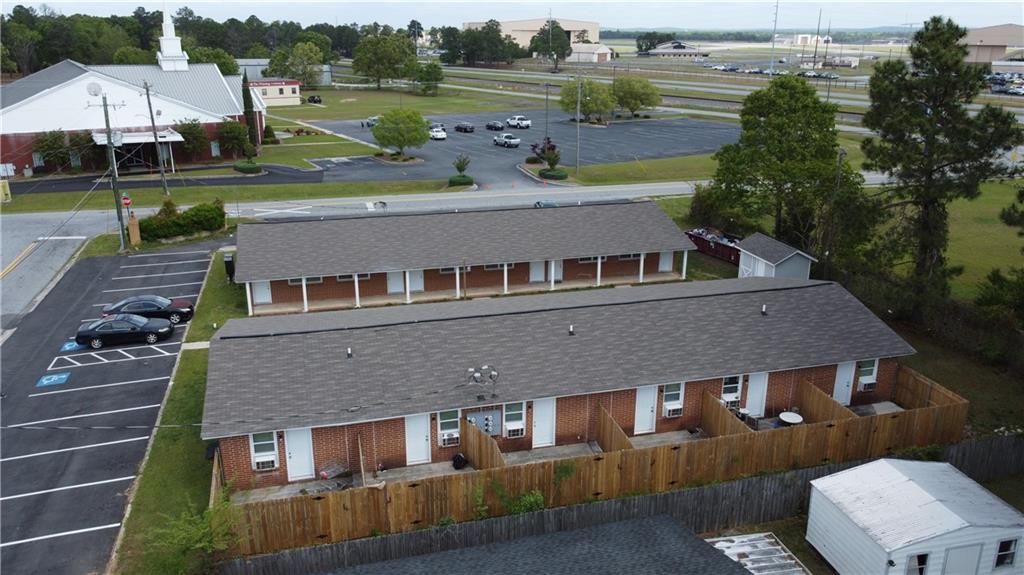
(506, 140)
(518, 122)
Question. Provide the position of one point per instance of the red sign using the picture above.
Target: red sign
(126, 201)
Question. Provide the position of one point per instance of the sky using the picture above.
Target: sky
(675, 14)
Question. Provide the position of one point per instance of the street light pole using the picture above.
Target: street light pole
(156, 141)
(775, 26)
(579, 97)
(546, 91)
(113, 174)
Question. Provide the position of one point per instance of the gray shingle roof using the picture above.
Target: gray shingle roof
(656, 546)
(202, 85)
(280, 250)
(40, 81)
(768, 248)
(413, 359)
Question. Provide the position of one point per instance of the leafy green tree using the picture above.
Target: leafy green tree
(321, 41)
(383, 57)
(1005, 293)
(450, 42)
(932, 148)
(305, 63)
(133, 55)
(198, 534)
(429, 76)
(250, 115)
(7, 64)
(635, 93)
(94, 40)
(257, 51)
(547, 152)
(278, 65)
(195, 142)
(401, 128)
(461, 163)
(415, 30)
(53, 147)
(224, 61)
(21, 41)
(597, 98)
(233, 137)
(551, 41)
(646, 42)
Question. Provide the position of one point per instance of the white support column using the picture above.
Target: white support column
(355, 282)
(408, 288)
(248, 297)
(642, 267)
(170, 150)
(599, 271)
(551, 273)
(504, 279)
(458, 283)
(685, 253)
(305, 298)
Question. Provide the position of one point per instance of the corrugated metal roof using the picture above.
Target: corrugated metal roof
(40, 81)
(898, 503)
(235, 85)
(202, 85)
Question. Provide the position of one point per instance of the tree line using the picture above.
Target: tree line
(840, 36)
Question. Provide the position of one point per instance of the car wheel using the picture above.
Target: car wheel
(175, 318)
(152, 338)
(96, 343)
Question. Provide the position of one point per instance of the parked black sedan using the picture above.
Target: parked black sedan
(123, 328)
(465, 127)
(496, 126)
(175, 311)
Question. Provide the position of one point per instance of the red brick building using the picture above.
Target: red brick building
(352, 262)
(288, 396)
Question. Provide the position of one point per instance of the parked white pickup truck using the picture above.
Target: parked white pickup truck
(518, 122)
(506, 140)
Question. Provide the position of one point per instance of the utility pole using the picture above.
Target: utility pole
(775, 26)
(156, 141)
(113, 174)
(579, 97)
(546, 90)
(817, 36)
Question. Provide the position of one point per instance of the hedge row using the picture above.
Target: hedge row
(248, 167)
(460, 180)
(169, 223)
(555, 174)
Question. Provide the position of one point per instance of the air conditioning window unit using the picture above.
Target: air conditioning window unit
(735, 404)
(266, 465)
(868, 386)
(450, 440)
(513, 430)
(673, 409)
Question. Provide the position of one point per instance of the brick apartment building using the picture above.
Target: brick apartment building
(353, 262)
(289, 395)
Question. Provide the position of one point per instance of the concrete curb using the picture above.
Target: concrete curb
(541, 180)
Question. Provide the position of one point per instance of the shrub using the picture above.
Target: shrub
(553, 174)
(710, 208)
(248, 167)
(268, 133)
(461, 163)
(200, 535)
(527, 502)
(460, 180)
(169, 223)
(534, 160)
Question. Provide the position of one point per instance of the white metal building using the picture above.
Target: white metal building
(589, 53)
(896, 517)
(524, 30)
(762, 256)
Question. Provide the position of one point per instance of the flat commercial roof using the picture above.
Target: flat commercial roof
(372, 244)
(293, 371)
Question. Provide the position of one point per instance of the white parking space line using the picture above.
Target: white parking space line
(62, 534)
(44, 238)
(66, 449)
(82, 359)
(160, 255)
(66, 487)
(202, 271)
(169, 297)
(164, 264)
(148, 380)
(83, 415)
(151, 287)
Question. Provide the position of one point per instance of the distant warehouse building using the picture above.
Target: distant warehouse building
(523, 30)
(587, 53)
(278, 91)
(256, 68)
(675, 49)
(989, 45)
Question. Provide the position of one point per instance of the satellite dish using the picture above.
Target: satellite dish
(94, 89)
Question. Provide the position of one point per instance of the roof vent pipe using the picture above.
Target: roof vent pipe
(348, 353)
(764, 309)
(572, 330)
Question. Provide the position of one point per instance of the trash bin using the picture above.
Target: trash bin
(229, 265)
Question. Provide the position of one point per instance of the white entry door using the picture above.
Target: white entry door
(666, 261)
(536, 272)
(416, 280)
(757, 393)
(962, 560)
(396, 282)
(543, 422)
(417, 439)
(261, 293)
(843, 387)
(558, 270)
(646, 403)
(298, 445)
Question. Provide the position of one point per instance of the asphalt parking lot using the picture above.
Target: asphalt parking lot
(77, 423)
(622, 141)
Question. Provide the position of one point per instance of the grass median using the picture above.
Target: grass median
(220, 301)
(298, 155)
(189, 195)
(175, 478)
(363, 103)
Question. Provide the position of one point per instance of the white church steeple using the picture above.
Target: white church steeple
(171, 57)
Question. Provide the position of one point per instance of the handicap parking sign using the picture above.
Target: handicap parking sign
(53, 379)
(71, 346)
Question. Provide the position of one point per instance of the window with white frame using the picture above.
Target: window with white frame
(348, 277)
(497, 267)
(294, 281)
(264, 450)
(731, 387)
(37, 160)
(625, 257)
(314, 280)
(294, 91)
(1006, 553)
(867, 374)
(452, 270)
(917, 564)
(280, 91)
(673, 400)
(263, 91)
(448, 428)
(591, 260)
(515, 419)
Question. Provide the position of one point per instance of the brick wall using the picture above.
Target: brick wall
(330, 288)
(886, 383)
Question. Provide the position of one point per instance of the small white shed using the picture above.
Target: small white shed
(896, 517)
(762, 256)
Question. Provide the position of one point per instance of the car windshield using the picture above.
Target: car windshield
(136, 320)
(122, 302)
(97, 323)
(161, 301)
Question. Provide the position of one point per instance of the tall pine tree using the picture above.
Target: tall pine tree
(250, 115)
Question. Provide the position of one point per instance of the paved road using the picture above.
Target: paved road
(64, 490)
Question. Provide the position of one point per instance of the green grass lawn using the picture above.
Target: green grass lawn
(1009, 489)
(221, 300)
(978, 240)
(153, 197)
(310, 139)
(297, 155)
(359, 104)
(663, 169)
(176, 475)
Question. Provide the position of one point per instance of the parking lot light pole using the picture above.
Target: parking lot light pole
(112, 160)
(546, 90)
(579, 96)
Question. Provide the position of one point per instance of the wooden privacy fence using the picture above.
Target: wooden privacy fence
(914, 391)
(717, 420)
(609, 435)
(481, 449)
(403, 506)
(217, 481)
(817, 406)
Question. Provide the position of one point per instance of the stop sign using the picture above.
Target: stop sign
(126, 201)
